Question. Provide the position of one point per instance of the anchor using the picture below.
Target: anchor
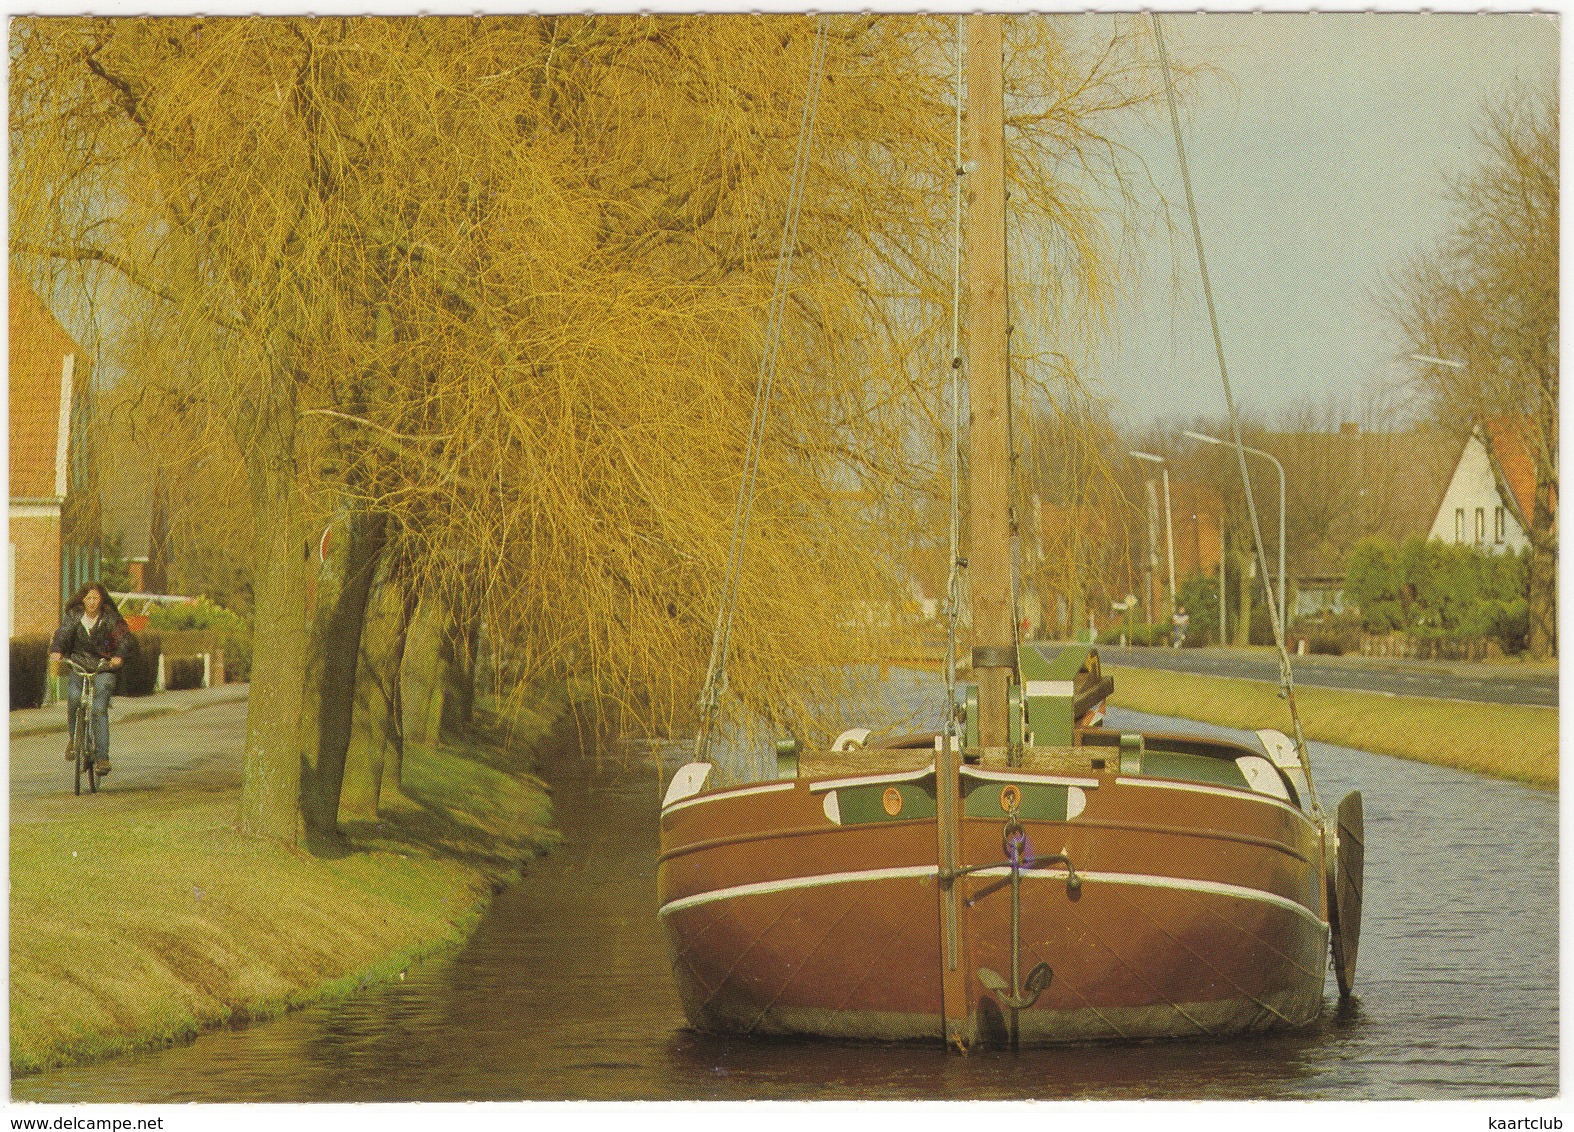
(1016, 996)
(1038, 980)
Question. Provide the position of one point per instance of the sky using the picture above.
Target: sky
(1319, 159)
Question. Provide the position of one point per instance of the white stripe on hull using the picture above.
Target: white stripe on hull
(790, 883)
(1220, 791)
(1028, 776)
(721, 794)
(1142, 880)
(870, 779)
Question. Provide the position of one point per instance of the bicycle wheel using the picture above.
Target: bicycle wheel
(77, 746)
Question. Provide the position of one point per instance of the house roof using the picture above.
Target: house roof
(38, 347)
(1510, 450)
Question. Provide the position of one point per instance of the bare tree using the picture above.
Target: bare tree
(1487, 302)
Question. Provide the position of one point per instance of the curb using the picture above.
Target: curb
(58, 725)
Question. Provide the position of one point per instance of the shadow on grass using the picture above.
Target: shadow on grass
(465, 826)
(519, 744)
(439, 831)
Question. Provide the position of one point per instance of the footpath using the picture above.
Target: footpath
(1500, 682)
(1507, 666)
(52, 717)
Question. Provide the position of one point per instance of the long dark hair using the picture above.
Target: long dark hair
(108, 608)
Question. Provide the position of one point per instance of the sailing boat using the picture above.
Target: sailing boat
(1028, 876)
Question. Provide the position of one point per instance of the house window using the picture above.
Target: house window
(1459, 524)
(1498, 525)
(1481, 525)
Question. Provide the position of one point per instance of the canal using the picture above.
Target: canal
(564, 992)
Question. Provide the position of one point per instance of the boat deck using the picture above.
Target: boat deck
(1042, 760)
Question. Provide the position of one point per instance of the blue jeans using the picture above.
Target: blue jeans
(98, 713)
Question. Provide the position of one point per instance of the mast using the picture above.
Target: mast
(989, 557)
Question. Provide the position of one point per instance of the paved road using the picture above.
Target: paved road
(1450, 680)
(200, 744)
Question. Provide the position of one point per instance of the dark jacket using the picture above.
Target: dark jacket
(110, 637)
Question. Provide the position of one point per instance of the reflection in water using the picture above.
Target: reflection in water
(564, 991)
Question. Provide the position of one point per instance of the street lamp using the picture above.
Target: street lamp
(1284, 594)
(1432, 361)
(1169, 526)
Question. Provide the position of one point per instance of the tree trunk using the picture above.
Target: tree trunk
(1543, 596)
(423, 686)
(271, 771)
(372, 767)
(459, 676)
(336, 647)
(393, 754)
(1243, 621)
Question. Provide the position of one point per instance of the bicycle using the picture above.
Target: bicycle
(79, 744)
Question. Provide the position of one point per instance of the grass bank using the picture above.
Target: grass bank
(147, 918)
(1502, 740)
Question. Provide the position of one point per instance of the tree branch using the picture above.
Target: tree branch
(126, 268)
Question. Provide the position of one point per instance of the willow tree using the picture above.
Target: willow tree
(1486, 303)
(492, 291)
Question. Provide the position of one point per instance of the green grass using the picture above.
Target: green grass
(148, 919)
(1502, 740)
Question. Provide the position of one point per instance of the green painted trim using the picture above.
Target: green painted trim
(1191, 768)
(864, 805)
(1131, 753)
(1067, 663)
(1039, 801)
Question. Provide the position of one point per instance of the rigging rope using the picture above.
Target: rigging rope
(721, 637)
(1286, 683)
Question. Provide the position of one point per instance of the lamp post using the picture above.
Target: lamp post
(1169, 526)
(1433, 361)
(1284, 594)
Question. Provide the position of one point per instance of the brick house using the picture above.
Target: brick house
(48, 376)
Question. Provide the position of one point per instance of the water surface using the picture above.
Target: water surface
(564, 992)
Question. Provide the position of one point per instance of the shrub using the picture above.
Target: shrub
(232, 630)
(1331, 634)
(182, 672)
(1200, 595)
(1142, 634)
(29, 671)
(139, 674)
(1508, 623)
(1439, 593)
(1372, 584)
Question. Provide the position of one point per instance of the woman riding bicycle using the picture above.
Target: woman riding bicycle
(95, 637)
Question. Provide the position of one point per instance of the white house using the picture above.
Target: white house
(1479, 508)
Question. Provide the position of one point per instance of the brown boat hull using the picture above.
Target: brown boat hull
(1200, 911)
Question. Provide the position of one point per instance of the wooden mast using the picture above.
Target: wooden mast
(989, 562)
(989, 557)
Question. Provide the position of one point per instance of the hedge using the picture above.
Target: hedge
(29, 670)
